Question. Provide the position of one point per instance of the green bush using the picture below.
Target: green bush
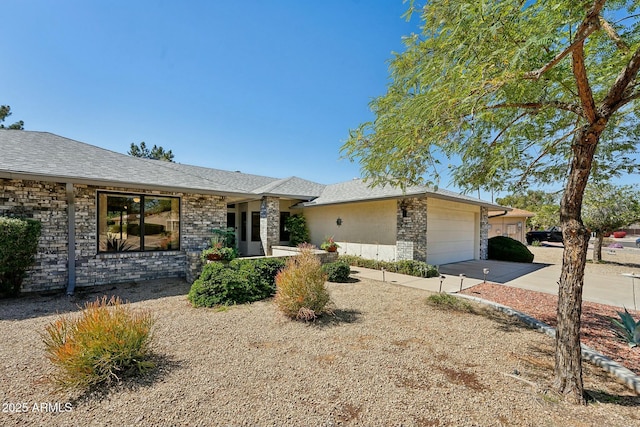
(18, 247)
(504, 248)
(107, 342)
(149, 229)
(409, 267)
(300, 287)
(338, 271)
(239, 282)
(298, 230)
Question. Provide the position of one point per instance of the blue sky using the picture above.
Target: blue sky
(265, 87)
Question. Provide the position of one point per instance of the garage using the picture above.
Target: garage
(451, 231)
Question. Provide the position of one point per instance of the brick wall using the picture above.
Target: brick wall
(484, 233)
(269, 223)
(47, 202)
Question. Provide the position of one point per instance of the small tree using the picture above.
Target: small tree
(606, 208)
(156, 153)
(5, 111)
(298, 230)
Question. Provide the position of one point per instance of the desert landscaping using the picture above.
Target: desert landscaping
(385, 357)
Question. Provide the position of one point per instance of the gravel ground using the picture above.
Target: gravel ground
(596, 328)
(384, 358)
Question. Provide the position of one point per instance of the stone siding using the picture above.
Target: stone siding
(411, 241)
(269, 223)
(484, 233)
(47, 202)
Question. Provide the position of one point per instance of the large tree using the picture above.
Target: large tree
(608, 207)
(5, 111)
(515, 92)
(156, 153)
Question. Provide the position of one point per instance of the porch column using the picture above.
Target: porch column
(411, 230)
(269, 223)
(484, 233)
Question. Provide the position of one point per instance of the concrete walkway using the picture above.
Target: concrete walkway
(616, 290)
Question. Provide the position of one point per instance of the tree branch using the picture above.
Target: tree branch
(588, 26)
(507, 127)
(611, 32)
(627, 76)
(539, 105)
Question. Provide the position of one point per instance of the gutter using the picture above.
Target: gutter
(500, 214)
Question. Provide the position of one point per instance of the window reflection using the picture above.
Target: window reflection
(138, 223)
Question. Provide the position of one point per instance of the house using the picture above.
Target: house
(511, 223)
(109, 218)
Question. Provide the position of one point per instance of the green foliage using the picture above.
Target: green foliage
(156, 153)
(329, 244)
(107, 342)
(222, 246)
(239, 282)
(298, 230)
(472, 87)
(627, 328)
(504, 248)
(18, 247)
(546, 207)
(5, 111)
(117, 245)
(408, 267)
(338, 271)
(450, 302)
(607, 207)
(300, 287)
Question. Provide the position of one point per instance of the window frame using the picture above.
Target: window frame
(141, 213)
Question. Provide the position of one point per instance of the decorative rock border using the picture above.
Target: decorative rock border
(626, 376)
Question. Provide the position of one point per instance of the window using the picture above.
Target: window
(138, 222)
(255, 226)
(285, 236)
(243, 226)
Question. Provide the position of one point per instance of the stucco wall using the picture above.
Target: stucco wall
(365, 222)
(508, 226)
(47, 202)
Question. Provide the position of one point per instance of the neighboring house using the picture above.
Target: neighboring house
(110, 218)
(511, 223)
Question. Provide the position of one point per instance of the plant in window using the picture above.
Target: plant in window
(117, 245)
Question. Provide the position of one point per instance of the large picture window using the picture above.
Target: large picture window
(138, 222)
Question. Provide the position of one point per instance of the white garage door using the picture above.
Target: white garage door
(450, 236)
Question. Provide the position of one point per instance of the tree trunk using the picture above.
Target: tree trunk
(597, 246)
(568, 361)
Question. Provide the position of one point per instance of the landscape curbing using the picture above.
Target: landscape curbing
(625, 375)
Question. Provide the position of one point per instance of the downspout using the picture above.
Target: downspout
(71, 233)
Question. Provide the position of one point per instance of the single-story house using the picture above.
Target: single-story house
(511, 223)
(109, 217)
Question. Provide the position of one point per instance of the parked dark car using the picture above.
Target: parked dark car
(554, 234)
(638, 242)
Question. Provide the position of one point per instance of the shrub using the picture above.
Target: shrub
(107, 342)
(409, 267)
(300, 287)
(219, 284)
(298, 230)
(18, 247)
(449, 302)
(507, 249)
(239, 282)
(338, 271)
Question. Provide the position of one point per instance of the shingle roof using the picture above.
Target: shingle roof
(357, 190)
(42, 155)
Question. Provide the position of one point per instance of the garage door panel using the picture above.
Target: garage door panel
(451, 236)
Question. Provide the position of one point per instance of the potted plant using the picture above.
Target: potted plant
(329, 245)
(219, 252)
